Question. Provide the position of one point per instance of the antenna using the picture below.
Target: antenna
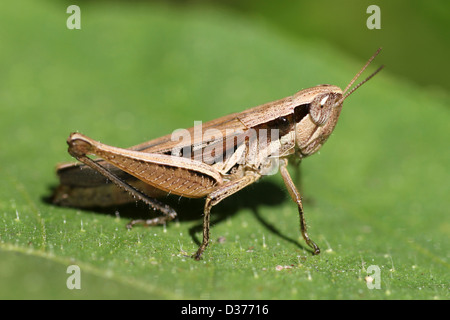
(357, 76)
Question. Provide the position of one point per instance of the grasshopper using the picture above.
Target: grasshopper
(204, 165)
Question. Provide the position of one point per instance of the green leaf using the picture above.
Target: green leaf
(376, 194)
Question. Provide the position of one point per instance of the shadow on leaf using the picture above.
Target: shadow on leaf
(262, 193)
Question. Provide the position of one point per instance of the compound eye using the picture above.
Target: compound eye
(320, 109)
(324, 99)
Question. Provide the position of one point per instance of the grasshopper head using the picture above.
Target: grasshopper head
(316, 120)
(319, 120)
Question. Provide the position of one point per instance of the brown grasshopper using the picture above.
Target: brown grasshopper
(212, 160)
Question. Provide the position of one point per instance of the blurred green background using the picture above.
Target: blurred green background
(376, 194)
